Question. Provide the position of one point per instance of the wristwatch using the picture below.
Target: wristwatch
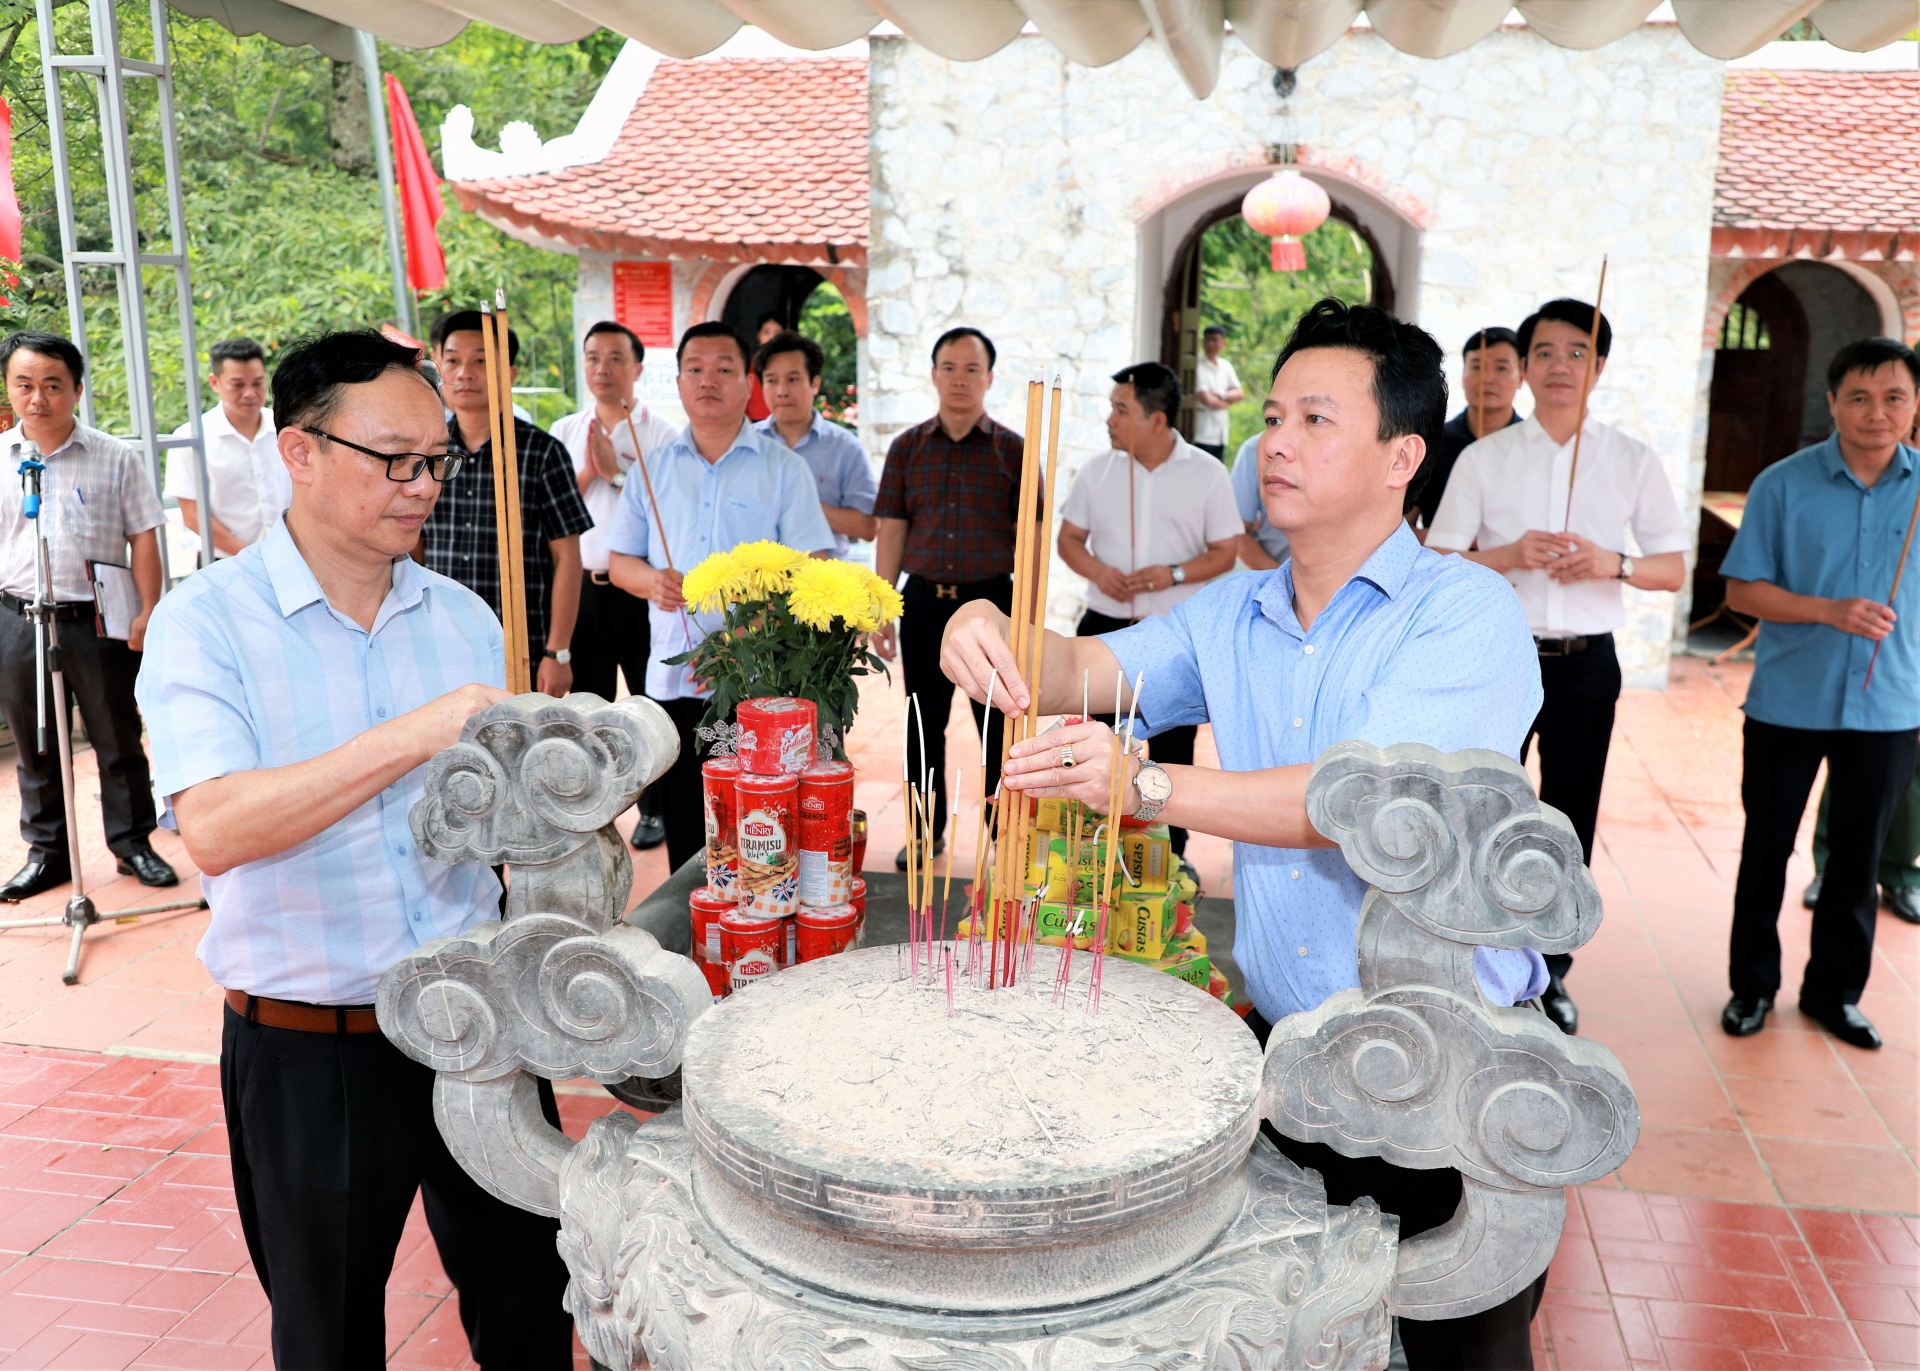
(1626, 568)
(619, 481)
(1179, 574)
(1154, 787)
(562, 655)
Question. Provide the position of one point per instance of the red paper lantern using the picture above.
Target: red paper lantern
(1286, 207)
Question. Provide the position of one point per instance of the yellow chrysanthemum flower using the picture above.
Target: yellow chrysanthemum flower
(884, 602)
(715, 583)
(822, 591)
(767, 567)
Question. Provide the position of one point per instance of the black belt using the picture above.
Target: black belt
(62, 609)
(1567, 647)
(600, 578)
(959, 590)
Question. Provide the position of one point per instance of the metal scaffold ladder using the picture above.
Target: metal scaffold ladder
(110, 71)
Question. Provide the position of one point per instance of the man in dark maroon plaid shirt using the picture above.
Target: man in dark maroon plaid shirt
(948, 499)
(461, 538)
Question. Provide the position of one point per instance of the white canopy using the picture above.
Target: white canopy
(1091, 32)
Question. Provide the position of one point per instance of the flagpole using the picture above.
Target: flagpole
(367, 51)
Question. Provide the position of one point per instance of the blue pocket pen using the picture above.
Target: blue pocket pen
(80, 495)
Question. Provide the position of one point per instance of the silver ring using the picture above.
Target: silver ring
(1066, 756)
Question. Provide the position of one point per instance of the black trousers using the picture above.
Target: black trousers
(331, 1136)
(923, 621)
(612, 634)
(1868, 774)
(1173, 745)
(1496, 1339)
(682, 804)
(99, 676)
(1575, 729)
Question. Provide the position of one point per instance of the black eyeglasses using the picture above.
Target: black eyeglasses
(441, 466)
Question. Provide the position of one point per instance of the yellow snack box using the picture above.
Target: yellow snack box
(1054, 920)
(1141, 924)
(1148, 854)
(1055, 816)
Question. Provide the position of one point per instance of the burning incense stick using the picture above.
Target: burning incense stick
(1586, 393)
(1898, 571)
(659, 526)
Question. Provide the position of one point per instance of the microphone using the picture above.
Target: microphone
(31, 465)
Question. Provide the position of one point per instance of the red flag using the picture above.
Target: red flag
(9, 204)
(419, 193)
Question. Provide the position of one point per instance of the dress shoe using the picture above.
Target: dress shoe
(900, 860)
(148, 865)
(1904, 901)
(649, 832)
(1845, 1022)
(1812, 895)
(1745, 1015)
(1560, 1007)
(40, 873)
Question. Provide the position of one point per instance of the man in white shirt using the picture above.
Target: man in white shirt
(789, 366)
(1148, 529)
(1506, 506)
(610, 632)
(1216, 388)
(97, 504)
(251, 488)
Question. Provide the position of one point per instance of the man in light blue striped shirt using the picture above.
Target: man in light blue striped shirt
(719, 484)
(292, 694)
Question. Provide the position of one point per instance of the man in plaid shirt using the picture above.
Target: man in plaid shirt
(948, 500)
(461, 537)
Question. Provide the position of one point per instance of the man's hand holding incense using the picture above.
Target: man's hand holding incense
(974, 649)
(664, 592)
(1037, 767)
(1868, 619)
(1586, 561)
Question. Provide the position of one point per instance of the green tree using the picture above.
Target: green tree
(281, 239)
(825, 319)
(1259, 306)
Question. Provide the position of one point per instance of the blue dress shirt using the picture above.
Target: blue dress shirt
(757, 490)
(1812, 528)
(248, 667)
(1246, 497)
(839, 465)
(1415, 648)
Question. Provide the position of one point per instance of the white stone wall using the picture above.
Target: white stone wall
(1006, 195)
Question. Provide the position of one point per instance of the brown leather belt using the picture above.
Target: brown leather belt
(301, 1018)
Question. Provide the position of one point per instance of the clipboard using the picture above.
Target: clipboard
(116, 599)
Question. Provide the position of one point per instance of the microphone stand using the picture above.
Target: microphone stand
(80, 914)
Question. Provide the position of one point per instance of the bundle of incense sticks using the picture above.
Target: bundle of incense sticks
(1116, 793)
(506, 493)
(1008, 912)
(926, 931)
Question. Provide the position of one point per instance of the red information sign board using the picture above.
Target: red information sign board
(643, 300)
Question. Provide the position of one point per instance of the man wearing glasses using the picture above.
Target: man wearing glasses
(1506, 507)
(292, 694)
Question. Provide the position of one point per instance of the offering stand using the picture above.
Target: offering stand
(816, 1200)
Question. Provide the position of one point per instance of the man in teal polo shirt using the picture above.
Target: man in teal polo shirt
(1815, 556)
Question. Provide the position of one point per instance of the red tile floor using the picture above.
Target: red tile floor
(1769, 1218)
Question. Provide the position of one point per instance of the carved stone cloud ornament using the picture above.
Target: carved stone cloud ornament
(1416, 1066)
(560, 988)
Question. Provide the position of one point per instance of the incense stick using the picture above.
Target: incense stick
(1899, 570)
(513, 586)
(659, 525)
(513, 628)
(1586, 393)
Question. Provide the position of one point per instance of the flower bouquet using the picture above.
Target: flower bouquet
(795, 625)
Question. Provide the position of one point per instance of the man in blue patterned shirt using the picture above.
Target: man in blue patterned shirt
(293, 694)
(1361, 633)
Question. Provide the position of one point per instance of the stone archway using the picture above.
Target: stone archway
(1177, 211)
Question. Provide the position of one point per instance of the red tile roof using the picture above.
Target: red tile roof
(1819, 163)
(727, 159)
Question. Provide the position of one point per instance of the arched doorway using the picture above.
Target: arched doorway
(1768, 395)
(768, 289)
(1343, 259)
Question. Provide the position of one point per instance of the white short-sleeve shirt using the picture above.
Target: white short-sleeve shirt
(251, 488)
(1211, 425)
(601, 496)
(1515, 481)
(1179, 507)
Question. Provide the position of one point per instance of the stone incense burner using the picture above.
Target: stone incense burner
(858, 1177)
